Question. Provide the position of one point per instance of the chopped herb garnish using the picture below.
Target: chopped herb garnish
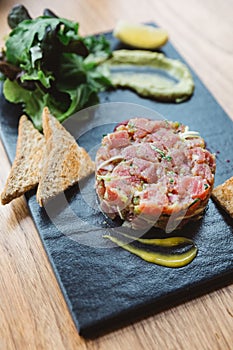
(171, 181)
(158, 150)
(136, 200)
(195, 201)
(206, 186)
(104, 135)
(162, 154)
(131, 126)
(177, 124)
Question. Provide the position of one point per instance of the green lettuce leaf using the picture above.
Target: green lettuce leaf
(57, 67)
(32, 102)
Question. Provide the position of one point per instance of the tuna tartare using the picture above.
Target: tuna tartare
(156, 173)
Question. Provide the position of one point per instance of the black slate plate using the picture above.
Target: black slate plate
(105, 287)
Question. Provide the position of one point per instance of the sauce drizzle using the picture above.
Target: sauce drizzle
(168, 260)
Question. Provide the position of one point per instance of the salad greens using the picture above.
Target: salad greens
(47, 63)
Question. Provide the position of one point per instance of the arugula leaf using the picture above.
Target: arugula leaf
(81, 81)
(49, 64)
(38, 75)
(97, 45)
(36, 54)
(33, 101)
(17, 14)
(76, 82)
(22, 37)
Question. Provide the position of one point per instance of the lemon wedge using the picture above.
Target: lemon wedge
(140, 35)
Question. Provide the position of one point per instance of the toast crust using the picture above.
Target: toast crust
(24, 174)
(63, 166)
(223, 195)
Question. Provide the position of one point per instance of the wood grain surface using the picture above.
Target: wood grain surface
(33, 313)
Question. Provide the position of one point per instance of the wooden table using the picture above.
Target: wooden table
(33, 313)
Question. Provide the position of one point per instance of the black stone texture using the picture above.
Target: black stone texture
(107, 288)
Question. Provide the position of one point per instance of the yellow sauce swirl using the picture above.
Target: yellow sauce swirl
(168, 260)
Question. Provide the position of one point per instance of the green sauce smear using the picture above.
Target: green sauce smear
(177, 85)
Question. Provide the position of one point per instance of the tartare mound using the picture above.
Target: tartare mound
(154, 172)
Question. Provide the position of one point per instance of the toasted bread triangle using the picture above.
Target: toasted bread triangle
(24, 174)
(223, 195)
(65, 163)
